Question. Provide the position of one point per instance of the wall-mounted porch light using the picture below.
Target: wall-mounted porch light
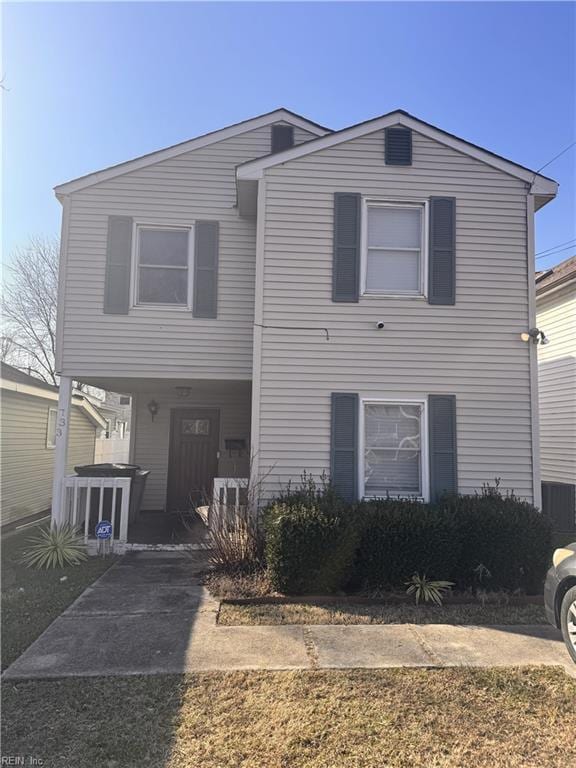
(537, 336)
(153, 408)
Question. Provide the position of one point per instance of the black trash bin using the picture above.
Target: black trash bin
(137, 486)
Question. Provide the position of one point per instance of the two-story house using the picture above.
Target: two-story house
(556, 315)
(277, 298)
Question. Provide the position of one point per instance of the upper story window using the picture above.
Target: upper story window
(394, 248)
(163, 262)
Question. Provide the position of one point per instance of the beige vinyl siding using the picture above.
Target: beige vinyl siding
(152, 341)
(152, 438)
(556, 316)
(27, 463)
(472, 350)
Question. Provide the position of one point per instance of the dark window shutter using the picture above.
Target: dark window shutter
(205, 269)
(559, 503)
(118, 262)
(346, 262)
(397, 146)
(344, 445)
(442, 442)
(282, 137)
(442, 256)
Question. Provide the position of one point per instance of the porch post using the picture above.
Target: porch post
(61, 448)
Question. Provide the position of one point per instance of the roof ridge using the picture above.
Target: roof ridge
(188, 141)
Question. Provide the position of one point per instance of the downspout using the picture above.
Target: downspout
(533, 353)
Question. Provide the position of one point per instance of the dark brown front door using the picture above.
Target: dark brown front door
(193, 460)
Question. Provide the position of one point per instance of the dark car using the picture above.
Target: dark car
(560, 595)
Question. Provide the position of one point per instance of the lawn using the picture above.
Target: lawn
(449, 718)
(349, 613)
(32, 599)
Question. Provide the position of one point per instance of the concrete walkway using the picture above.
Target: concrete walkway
(149, 614)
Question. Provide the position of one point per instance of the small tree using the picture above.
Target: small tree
(29, 308)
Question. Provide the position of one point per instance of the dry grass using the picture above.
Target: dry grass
(450, 718)
(32, 599)
(225, 586)
(347, 613)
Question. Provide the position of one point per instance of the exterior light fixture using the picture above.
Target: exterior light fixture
(536, 335)
(153, 408)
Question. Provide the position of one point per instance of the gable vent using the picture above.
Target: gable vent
(282, 137)
(398, 146)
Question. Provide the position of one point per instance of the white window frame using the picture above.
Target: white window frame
(135, 271)
(370, 202)
(49, 443)
(422, 401)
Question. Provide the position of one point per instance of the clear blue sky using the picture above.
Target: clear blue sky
(98, 83)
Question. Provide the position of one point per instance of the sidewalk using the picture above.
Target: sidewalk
(149, 614)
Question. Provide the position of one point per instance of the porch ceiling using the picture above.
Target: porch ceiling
(132, 386)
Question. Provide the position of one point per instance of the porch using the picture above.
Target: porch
(192, 436)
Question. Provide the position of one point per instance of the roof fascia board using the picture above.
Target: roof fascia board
(543, 291)
(90, 410)
(254, 169)
(28, 389)
(222, 134)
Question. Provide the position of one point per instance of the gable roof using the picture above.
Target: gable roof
(556, 276)
(254, 169)
(198, 142)
(15, 380)
(15, 374)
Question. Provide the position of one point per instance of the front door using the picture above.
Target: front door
(193, 459)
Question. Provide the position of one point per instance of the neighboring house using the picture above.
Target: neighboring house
(113, 443)
(556, 317)
(28, 430)
(279, 298)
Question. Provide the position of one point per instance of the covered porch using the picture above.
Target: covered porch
(191, 436)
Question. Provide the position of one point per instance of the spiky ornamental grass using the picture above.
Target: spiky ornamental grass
(426, 590)
(55, 547)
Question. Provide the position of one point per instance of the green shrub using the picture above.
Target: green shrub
(503, 534)
(401, 537)
(316, 543)
(311, 541)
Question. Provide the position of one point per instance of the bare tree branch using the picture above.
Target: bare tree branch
(29, 308)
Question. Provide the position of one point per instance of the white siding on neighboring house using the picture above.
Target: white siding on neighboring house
(154, 341)
(472, 350)
(151, 441)
(556, 316)
(26, 461)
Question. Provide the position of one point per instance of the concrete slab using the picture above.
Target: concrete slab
(110, 645)
(160, 643)
(495, 646)
(230, 648)
(341, 647)
(177, 573)
(124, 601)
(147, 558)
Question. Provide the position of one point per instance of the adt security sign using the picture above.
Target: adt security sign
(104, 530)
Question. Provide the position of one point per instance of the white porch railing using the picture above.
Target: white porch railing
(227, 498)
(79, 508)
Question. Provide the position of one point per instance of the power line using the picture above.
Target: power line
(554, 247)
(545, 255)
(556, 157)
